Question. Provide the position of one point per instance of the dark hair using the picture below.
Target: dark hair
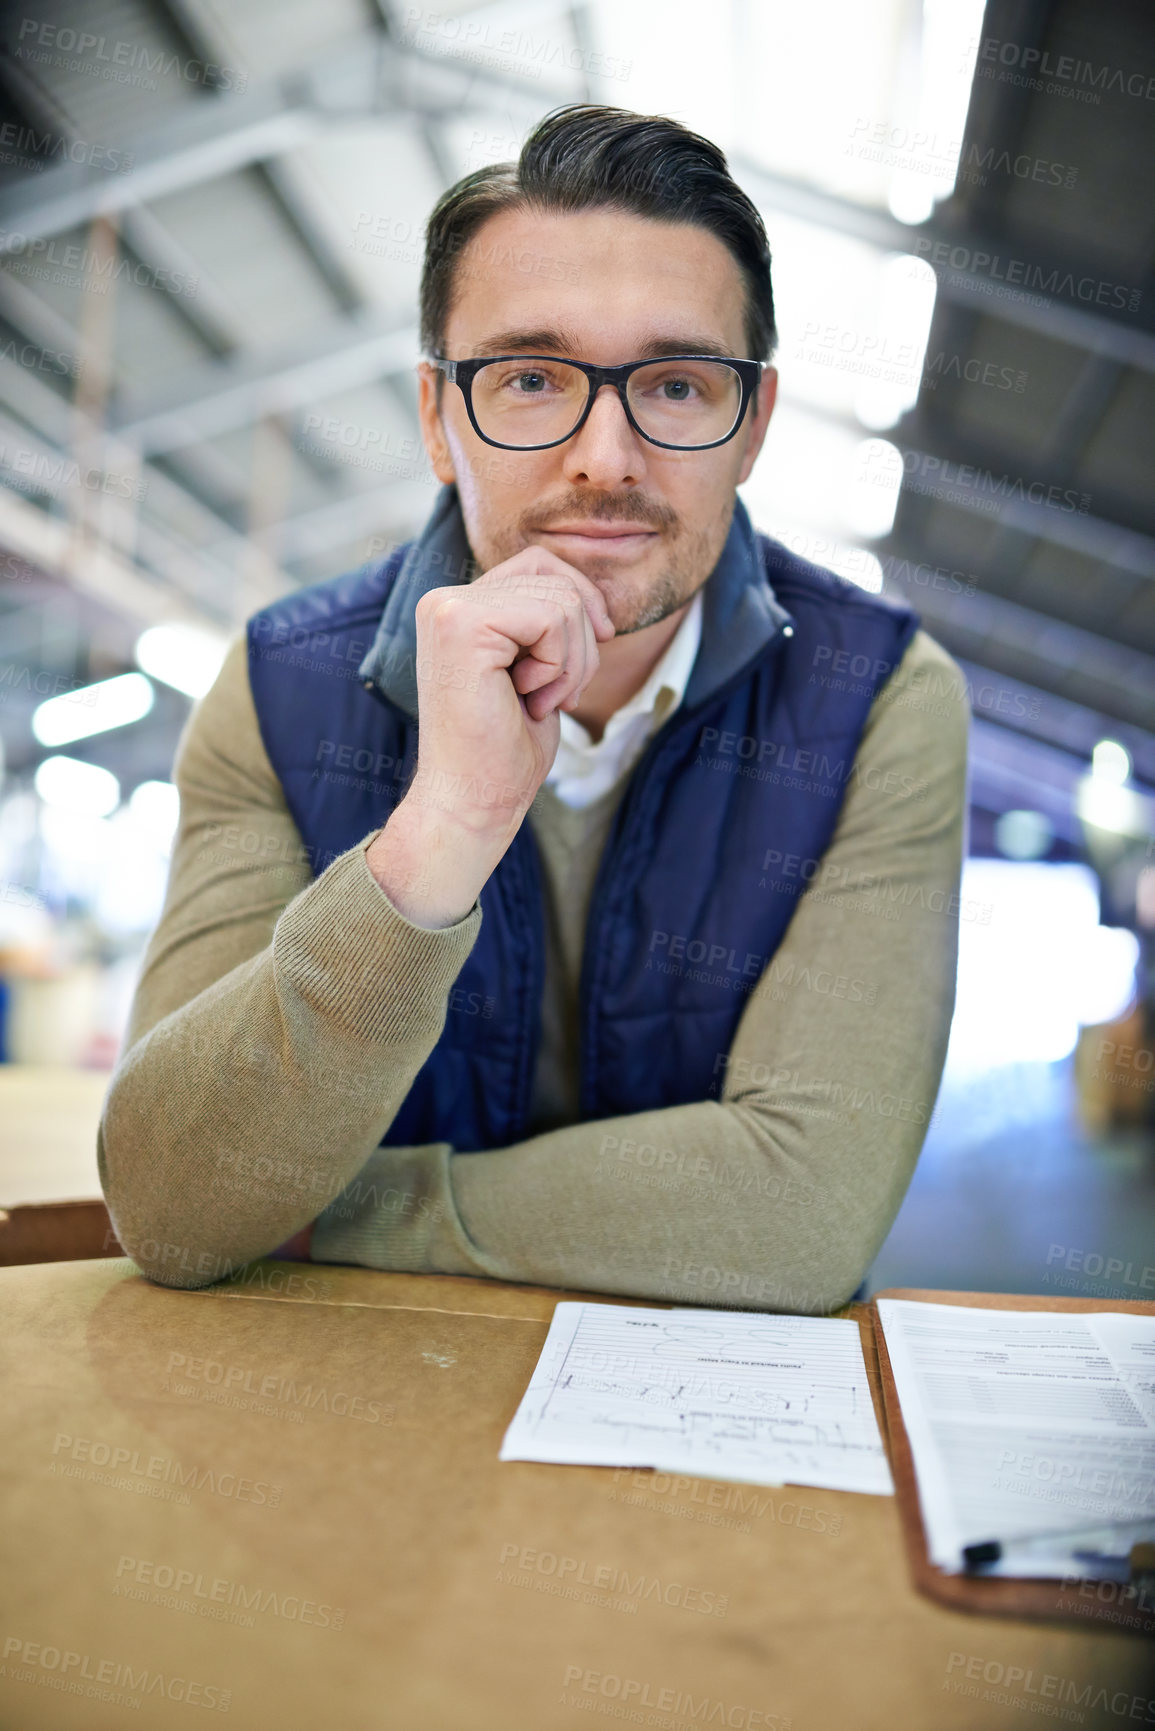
(586, 157)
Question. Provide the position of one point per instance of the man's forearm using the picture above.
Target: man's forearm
(234, 1120)
(694, 1204)
(432, 865)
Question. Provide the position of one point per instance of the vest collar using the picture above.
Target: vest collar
(740, 613)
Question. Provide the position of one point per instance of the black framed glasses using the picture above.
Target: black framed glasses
(531, 402)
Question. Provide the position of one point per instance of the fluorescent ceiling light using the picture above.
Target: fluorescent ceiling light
(155, 807)
(1024, 835)
(875, 484)
(907, 289)
(93, 709)
(927, 152)
(1105, 805)
(82, 788)
(187, 657)
(827, 297)
(910, 199)
(1111, 762)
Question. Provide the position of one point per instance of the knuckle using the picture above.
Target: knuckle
(430, 604)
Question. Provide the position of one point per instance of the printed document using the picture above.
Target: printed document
(722, 1395)
(1025, 1424)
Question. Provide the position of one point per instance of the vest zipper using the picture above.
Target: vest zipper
(639, 775)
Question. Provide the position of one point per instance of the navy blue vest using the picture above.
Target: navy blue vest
(724, 820)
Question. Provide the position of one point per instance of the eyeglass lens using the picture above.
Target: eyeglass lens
(532, 402)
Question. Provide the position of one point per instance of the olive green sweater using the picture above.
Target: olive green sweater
(279, 1022)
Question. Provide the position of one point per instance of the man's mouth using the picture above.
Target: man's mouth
(610, 533)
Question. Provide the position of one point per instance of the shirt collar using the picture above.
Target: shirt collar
(662, 692)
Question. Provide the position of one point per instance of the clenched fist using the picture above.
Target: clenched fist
(496, 660)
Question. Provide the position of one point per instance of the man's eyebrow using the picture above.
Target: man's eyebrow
(527, 342)
(684, 345)
(554, 342)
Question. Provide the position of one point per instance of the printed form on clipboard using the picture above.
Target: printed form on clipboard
(741, 1395)
(1032, 1432)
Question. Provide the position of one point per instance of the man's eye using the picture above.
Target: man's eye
(669, 387)
(530, 384)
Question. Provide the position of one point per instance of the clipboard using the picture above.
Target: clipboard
(1098, 1606)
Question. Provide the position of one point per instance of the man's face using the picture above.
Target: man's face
(598, 286)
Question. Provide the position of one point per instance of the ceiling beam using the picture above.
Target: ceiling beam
(207, 42)
(49, 544)
(225, 133)
(971, 487)
(1033, 713)
(222, 396)
(1006, 773)
(217, 565)
(1053, 319)
(212, 138)
(1115, 680)
(393, 514)
(1067, 437)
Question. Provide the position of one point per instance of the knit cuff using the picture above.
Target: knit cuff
(356, 960)
(398, 1214)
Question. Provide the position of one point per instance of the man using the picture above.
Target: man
(635, 974)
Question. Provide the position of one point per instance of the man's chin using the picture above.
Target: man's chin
(624, 593)
(636, 608)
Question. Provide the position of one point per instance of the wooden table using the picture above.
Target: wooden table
(281, 1499)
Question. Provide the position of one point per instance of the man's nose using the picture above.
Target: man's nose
(607, 452)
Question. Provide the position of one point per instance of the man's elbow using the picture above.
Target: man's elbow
(166, 1263)
(153, 1243)
(176, 1279)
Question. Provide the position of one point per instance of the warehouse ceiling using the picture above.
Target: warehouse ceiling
(211, 223)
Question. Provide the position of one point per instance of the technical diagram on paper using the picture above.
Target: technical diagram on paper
(735, 1395)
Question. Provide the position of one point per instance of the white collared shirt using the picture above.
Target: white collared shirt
(584, 769)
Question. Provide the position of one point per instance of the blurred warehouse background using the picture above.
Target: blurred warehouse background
(211, 227)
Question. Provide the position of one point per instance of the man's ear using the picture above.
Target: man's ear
(767, 393)
(432, 426)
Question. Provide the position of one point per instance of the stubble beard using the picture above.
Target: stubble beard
(676, 583)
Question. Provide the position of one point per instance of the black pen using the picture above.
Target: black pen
(1106, 1543)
